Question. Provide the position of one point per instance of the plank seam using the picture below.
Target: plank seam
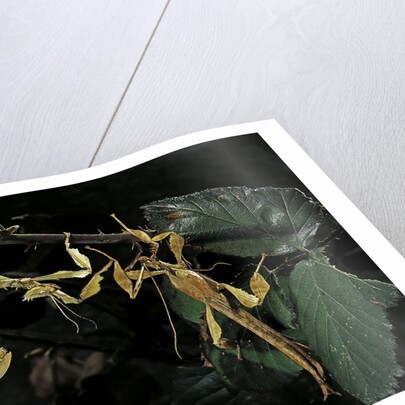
(128, 84)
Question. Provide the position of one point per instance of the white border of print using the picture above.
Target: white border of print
(345, 212)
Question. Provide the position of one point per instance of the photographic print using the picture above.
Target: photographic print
(208, 275)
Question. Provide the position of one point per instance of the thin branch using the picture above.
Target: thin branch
(53, 239)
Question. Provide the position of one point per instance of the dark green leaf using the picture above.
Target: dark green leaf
(269, 358)
(253, 364)
(198, 385)
(343, 321)
(255, 368)
(278, 302)
(295, 334)
(241, 221)
(377, 292)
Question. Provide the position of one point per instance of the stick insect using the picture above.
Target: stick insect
(202, 288)
(194, 284)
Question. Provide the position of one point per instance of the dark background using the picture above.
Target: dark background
(132, 350)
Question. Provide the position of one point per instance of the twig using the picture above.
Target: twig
(52, 238)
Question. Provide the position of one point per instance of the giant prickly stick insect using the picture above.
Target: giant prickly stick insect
(202, 288)
(191, 282)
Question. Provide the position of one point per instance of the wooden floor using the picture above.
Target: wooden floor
(85, 82)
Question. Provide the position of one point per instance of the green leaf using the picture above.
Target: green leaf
(241, 221)
(199, 385)
(253, 364)
(344, 323)
(377, 292)
(257, 367)
(295, 334)
(278, 302)
(261, 353)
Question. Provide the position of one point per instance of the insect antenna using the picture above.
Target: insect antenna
(168, 316)
(213, 267)
(59, 304)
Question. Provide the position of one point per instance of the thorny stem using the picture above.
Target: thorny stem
(52, 238)
(12, 238)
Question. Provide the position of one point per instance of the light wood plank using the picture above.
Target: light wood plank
(64, 66)
(330, 72)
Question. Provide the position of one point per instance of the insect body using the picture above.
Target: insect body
(210, 292)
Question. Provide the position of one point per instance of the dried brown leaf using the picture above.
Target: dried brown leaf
(259, 286)
(5, 282)
(93, 286)
(5, 360)
(141, 235)
(176, 246)
(61, 274)
(79, 258)
(161, 236)
(120, 276)
(213, 326)
(246, 299)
